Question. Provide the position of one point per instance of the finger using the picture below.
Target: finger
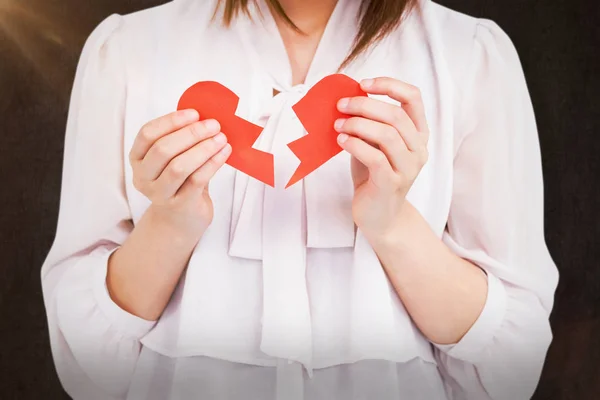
(172, 145)
(157, 128)
(383, 136)
(380, 170)
(198, 181)
(181, 167)
(408, 95)
(386, 113)
(377, 110)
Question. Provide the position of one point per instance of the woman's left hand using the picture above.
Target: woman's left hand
(388, 144)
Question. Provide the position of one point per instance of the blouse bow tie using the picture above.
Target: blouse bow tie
(277, 225)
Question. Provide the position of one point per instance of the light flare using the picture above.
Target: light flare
(33, 33)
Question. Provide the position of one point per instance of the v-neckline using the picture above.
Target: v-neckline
(273, 26)
(334, 44)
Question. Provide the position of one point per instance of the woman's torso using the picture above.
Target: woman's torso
(227, 307)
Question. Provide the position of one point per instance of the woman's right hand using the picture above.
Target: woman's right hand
(173, 158)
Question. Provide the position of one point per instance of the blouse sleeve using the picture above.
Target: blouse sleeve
(496, 222)
(95, 344)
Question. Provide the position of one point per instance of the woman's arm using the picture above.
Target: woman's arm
(443, 293)
(143, 273)
(496, 222)
(491, 339)
(173, 159)
(99, 310)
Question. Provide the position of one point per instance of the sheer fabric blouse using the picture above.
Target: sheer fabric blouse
(282, 298)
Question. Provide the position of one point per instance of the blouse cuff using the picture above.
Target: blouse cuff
(127, 323)
(471, 347)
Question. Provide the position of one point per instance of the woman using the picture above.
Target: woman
(410, 266)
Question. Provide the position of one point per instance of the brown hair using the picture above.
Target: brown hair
(377, 19)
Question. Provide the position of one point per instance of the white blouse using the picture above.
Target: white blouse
(282, 299)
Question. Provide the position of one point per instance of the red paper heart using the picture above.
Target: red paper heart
(317, 111)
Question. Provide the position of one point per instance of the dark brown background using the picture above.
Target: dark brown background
(40, 42)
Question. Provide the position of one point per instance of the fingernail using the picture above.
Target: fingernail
(223, 154)
(342, 137)
(212, 125)
(367, 83)
(339, 124)
(226, 150)
(343, 103)
(221, 138)
(191, 114)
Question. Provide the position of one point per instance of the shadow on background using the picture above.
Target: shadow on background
(40, 42)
